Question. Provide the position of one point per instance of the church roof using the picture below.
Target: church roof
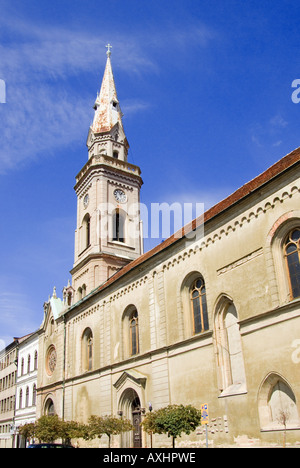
(271, 173)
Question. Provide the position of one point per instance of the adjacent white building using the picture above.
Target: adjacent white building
(26, 387)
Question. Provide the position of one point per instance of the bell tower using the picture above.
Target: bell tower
(108, 233)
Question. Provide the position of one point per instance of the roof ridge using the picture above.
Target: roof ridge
(277, 168)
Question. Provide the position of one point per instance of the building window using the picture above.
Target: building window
(28, 363)
(51, 358)
(87, 350)
(20, 398)
(292, 256)
(49, 408)
(277, 404)
(229, 354)
(35, 360)
(22, 366)
(86, 232)
(199, 307)
(27, 397)
(52, 326)
(118, 226)
(130, 332)
(34, 395)
(134, 333)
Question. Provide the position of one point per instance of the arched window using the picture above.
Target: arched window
(34, 395)
(27, 397)
(28, 363)
(20, 398)
(230, 362)
(199, 307)
(22, 366)
(292, 256)
(134, 333)
(277, 404)
(118, 226)
(87, 350)
(86, 232)
(49, 408)
(35, 360)
(130, 332)
(52, 326)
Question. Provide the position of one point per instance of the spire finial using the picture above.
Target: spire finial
(109, 47)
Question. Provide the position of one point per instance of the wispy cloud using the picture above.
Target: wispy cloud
(44, 68)
(269, 133)
(43, 110)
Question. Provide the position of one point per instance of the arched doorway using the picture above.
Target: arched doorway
(130, 408)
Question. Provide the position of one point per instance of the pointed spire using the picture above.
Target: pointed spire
(107, 108)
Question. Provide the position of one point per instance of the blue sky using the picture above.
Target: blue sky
(205, 88)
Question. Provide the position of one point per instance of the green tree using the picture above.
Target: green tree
(72, 430)
(50, 428)
(27, 431)
(109, 425)
(172, 420)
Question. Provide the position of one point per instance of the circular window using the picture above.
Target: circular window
(51, 360)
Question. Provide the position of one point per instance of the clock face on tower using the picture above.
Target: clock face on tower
(120, 195)
(86, 201)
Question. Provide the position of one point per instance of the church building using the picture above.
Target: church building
(209, 316)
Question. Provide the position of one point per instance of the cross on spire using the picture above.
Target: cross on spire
(109, 47)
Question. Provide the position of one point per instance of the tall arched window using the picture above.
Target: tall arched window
(292, 256)
(230, 362)
(118, 226)
(27, 397)
(86, 232)
(34, 395)
(87, 350)
(130, 332)
(28, 363)
(199, 307)
(20, 398)
(35, 360)
(134, 333)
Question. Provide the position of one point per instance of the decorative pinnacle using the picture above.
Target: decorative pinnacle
(109, 47)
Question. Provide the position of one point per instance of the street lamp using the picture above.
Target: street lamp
(150, 409)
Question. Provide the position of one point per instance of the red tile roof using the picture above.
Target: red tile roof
(279, 167)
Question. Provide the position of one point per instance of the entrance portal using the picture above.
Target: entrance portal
(130, 407)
